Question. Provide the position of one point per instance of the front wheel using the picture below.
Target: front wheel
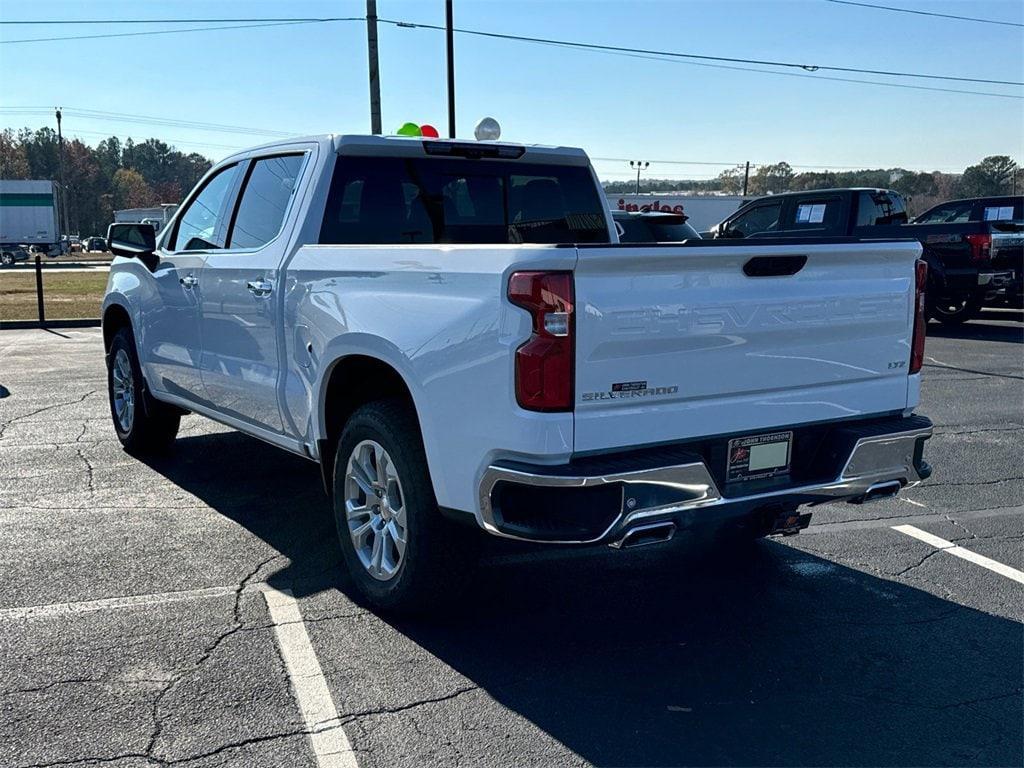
(7, 259)
(401, 553)
(143, 425)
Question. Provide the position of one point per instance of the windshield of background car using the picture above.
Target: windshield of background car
(392, 200)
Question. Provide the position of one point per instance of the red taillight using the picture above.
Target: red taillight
(920, 320)
(981, 246)
(544, 363)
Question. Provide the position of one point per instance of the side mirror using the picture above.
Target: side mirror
(131, 240)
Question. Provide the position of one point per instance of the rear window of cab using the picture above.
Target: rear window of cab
(395, 200)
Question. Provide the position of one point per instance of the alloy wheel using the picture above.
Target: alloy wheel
(375, 510)
(123, 388)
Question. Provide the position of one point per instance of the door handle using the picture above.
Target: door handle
(260, 288)
(189, 281)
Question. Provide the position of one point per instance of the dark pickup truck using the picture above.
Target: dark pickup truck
(996, 269)
(962, 275)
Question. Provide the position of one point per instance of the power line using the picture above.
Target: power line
(255, 22)
(810, 76)
(676, 54)
(926, 13)
(76, 22)
(278, 23)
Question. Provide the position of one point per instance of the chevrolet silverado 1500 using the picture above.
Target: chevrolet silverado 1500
(453, 332)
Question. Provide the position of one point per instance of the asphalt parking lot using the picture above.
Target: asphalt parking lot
(138, 622)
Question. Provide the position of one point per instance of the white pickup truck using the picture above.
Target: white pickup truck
(453, 332)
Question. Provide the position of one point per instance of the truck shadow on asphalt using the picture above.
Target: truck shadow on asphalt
(763, 655)
(985, 328)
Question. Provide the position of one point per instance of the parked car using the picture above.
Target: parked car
(961, 274)
(94, 244)
(11, 255)
(451, 331)
(71, 244)
(637, 227)
(1003, 282)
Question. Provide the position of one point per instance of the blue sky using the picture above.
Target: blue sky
(312, 78)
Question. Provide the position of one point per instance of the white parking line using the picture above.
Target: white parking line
(965, 554)
(330, 744)
(112, 603)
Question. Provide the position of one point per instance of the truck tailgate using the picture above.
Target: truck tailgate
(677, 342)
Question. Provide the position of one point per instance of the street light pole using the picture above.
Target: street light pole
(639, 165)
(371, 48)
(450, 35)
(60, 171)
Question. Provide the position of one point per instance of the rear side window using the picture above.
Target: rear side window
(265, 196)
(426, 200)
(824, 214)
(879, 208)
(202, 225)
(997, 213)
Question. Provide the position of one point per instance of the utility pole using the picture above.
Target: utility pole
(450, 35)
(639, 165)
(746, 178)
(371, 48)
(60, 171)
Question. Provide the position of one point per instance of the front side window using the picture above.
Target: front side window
(390, 200)
(264, 200)
(762, 218)
(202, 225)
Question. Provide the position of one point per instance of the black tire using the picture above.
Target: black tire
(153, 425)
(438, 554)
(7, 259)
(954, 311)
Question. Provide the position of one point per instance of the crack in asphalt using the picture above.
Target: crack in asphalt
(976, 482)
(5, 424)
(163, 763)
(964, 528)
(959, 433)
(918, 564)
(236, 625)
(937, 364)
(347, 717)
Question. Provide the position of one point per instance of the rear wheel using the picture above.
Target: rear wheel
(401, 553)
(143, 425)
(7, 258)
(954, 311)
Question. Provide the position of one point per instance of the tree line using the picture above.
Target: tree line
(101, 179)
(995, 175)
(115, 175)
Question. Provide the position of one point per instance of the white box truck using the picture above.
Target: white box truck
(29, 215)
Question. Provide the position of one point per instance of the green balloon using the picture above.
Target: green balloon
(409, 129)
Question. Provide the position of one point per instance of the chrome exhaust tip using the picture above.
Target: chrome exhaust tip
(642, 535)
(878, 491)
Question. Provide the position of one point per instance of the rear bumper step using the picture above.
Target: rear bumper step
(636, 504)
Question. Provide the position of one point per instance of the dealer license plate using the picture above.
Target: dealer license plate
(759, 457)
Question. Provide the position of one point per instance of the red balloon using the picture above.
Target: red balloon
(429, 131)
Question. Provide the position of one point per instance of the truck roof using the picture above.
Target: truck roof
(413, 146)
(830, 190)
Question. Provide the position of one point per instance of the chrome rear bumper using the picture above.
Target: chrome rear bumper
(877, 466)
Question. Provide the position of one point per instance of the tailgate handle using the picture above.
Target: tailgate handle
(774, 266)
